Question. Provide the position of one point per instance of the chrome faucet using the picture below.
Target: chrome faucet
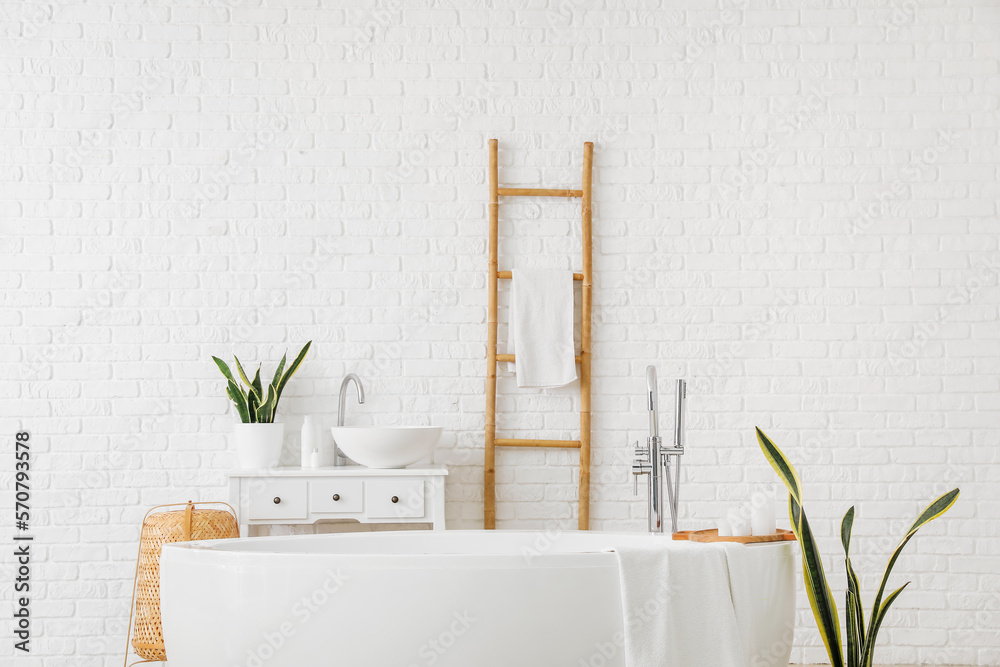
(341, 411)
(338, 458)
(654, 459)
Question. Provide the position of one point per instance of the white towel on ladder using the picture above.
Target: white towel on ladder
(541, 327)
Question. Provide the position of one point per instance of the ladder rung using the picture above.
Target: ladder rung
(510, 358)
(506, 275)
(538, 192)
(520, 442)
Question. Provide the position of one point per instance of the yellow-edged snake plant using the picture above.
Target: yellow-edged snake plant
(860, 645)
(253, 405)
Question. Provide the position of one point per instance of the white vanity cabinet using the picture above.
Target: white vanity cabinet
(366, 495)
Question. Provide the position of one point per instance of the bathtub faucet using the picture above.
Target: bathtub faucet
(654, 460)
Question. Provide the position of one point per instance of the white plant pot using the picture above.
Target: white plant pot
(258, 445)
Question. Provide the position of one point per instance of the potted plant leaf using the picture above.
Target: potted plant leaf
(859, 648)
(258, 437)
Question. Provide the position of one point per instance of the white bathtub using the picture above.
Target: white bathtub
(405, 599)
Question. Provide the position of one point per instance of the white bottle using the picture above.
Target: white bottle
(308, 443)
(314, 461)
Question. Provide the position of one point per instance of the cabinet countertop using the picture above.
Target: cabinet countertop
(340, 471)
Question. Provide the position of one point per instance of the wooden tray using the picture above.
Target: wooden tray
(712, 535)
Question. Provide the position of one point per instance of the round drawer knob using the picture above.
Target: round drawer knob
(277, 500)
(395, 499)
(336, 497)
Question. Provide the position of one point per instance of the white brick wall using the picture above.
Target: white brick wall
(795, 208)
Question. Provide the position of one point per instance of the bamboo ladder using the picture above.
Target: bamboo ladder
(492, 358)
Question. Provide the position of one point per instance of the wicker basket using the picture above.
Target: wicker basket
(159, 528)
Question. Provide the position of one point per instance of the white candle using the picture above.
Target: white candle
(762, 516)
(725, 530)
(739, 523)
(741, 528)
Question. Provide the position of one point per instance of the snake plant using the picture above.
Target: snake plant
(860, 645)
(253, 404)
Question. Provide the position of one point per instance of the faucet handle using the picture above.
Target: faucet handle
(641, 453)
(639, 468)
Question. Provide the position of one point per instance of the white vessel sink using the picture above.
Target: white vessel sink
(386, 446)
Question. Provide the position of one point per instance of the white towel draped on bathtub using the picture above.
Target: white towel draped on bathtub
(686, 605)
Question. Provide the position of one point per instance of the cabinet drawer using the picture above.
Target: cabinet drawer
(336, 496)
(277, 499)
(395, 499)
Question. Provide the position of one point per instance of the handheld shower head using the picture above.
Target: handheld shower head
(679, 414)
(652, 401)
